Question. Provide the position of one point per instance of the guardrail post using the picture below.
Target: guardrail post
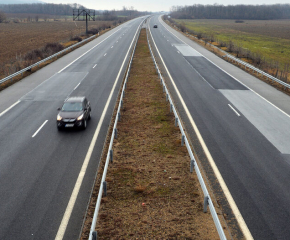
(166, 97)
(123, 93)
(95, 235)
(163, 88)
(176, 122)
(182, 140)
(116, 133)
(119, 116)
(205, 203)
(121, 103)
(171, 107)
(111, 155)
(191, 165)
(105, 188)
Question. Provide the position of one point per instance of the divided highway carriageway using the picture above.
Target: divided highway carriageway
(46, 176)
(244, 128)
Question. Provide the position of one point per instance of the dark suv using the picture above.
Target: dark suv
(74, 113)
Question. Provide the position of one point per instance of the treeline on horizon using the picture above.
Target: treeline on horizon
(62, 10)
(244, 12)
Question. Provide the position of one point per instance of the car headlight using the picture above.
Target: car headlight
(80, 117)
(58, 117)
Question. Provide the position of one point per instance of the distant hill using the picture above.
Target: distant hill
(19, 1)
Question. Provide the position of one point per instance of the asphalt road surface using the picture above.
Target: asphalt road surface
(40, 166)
(245, 125)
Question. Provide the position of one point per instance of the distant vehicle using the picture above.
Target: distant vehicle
(155, 26)
(74, 113)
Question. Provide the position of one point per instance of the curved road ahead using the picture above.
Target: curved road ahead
(39, 166)
(245, 125)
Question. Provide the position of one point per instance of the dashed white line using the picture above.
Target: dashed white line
(5, 111)
(178, 52)
(224, 187)
(95, 65)
(71, 203)
(87, 51)
(39, 128)
(105, 54)
(234, 110)
(112, 46)
(77, 86)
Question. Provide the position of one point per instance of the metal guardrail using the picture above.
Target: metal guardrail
(193, 163)
(254, 69)
(10, 77)
(103, 185)
(247, 65)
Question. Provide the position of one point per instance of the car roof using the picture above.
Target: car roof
(75, 99)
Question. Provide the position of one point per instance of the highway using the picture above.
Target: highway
(47, 176)
(244, 124)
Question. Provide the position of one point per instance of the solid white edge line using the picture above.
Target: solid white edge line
(5, 111)
(88, 51)
(234, 110)
(222, 183)
(71, 203)
(39, 128)
(228, 73)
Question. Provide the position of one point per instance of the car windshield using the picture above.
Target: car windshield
(72, 107)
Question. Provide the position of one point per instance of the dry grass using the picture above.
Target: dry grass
(19, 38)
(151, 193)
(271, 39)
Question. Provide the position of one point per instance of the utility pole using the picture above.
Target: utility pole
(84, 15)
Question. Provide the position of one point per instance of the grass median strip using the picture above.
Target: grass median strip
(151, 192)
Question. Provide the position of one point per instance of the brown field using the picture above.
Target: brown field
(19, 38)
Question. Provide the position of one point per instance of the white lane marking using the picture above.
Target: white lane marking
(117, 41)
(199, 74)
(39, 128)
(88, 51)
(105, 54)
(77, 86)
(5, 111)
(178, 52)
(231, 75)
(71, 203)
(222, 183)
(95, 65)
(112, 46)
(234, 110)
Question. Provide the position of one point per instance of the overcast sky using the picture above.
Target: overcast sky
(157, 5)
